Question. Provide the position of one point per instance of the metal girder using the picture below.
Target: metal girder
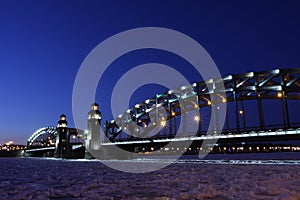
(45, 136)
(272, 84)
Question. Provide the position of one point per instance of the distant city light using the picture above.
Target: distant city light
(9, 143)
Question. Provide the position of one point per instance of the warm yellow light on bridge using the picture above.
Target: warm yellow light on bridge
(163, 123)
(197, 118)
(209, 103)
(241, 112)
(279, 94)
(173, 113)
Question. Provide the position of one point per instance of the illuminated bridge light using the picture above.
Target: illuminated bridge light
(210, 80)
(244, 135)
(183, 87)
(251, 74)
(279, 94)
(163, 123)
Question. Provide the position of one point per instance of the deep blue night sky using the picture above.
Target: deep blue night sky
(43, 43)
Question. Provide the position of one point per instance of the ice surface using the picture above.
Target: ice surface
(32, 178)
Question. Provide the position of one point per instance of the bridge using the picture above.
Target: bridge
(45, 142)
(262, 107)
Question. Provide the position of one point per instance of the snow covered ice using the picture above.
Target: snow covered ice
(33, 178)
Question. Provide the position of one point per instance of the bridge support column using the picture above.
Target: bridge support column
(285, 111)
(199, 131)
(184, 121)
(243, 113)
(236, 107)
(209, 132)
(217, 118)
(260, 113)
(227, 121)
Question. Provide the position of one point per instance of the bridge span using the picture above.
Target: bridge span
(261, 108)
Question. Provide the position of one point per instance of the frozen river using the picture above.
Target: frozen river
(32, 178)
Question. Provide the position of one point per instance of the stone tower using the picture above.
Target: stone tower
(61, 144)
(94, 127)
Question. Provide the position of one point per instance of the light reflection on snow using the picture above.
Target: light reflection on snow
(190, 161)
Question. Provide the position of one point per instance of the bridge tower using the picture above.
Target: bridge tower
(61, 145)
(93, 133)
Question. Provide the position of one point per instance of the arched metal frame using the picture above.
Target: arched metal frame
(42, 136)
(281, 84)
(46, 136)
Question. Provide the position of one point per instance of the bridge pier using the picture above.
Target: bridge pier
(93, 142)
(61, 145)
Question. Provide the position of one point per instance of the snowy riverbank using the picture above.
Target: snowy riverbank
(32, 178)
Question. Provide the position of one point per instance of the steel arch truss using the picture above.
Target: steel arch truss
(46, 136)
(42, 137)
(281, 84)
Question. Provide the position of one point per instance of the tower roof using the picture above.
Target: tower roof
(95, 104)
(62, 115)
